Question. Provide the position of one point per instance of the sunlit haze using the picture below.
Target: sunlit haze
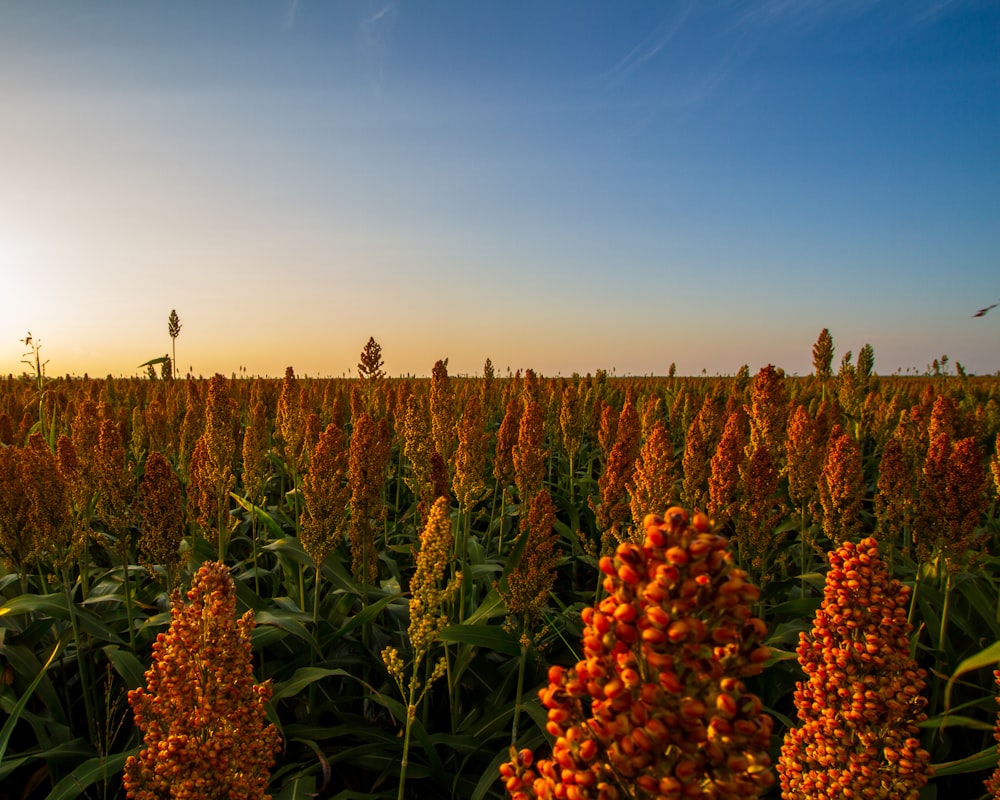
(560, 186)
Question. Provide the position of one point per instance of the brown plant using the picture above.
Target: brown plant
(657, 707)
(204, 727)
(861, 702)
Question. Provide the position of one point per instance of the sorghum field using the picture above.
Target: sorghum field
(518, 586)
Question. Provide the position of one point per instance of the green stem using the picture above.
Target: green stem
(411, 713)
(520, 694)
(86, 685)
(128, 602)
(947, 602)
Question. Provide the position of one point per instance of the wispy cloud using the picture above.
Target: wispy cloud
(932, 11)
(374, 34)
(650, 45)
(290, 13)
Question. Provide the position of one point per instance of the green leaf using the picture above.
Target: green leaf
(8, 728)
(154, 361)
(301, 787)
(260, 514)
(491, 637)
(492, 606)
(126, 665)
(983, 760)
(984, 658)
(301, 679)
(51, 605)
(89, 772)
(945, 720)
(286, 622)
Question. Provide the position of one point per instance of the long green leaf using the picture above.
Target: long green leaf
(51, 605)
(8, 728)
(489, 636)
(302, 678)
(89, 772)
(984, 759)
(126, 665)
(984, 658)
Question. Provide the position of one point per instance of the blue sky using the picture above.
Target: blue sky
(563, 186)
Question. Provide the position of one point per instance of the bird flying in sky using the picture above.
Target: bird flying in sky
(982, 312)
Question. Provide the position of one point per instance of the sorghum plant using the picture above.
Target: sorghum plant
(442, 406)
(842, 488)
(469, 462)
(656, 475)
(162, 512)
(529, 452)
(429, 599)
(327, 495)
(613, 508)
(696, 463)
(724, 481)
(369, 453)
(507, 435)
(992, 783)
(204, 729)
(861, 702)
(657, 708)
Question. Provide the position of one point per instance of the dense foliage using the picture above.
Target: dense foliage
(403, 639)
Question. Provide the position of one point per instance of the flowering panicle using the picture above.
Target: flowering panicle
(162, 512)
(204, 728)
(768, 412)
(139, 441)
(85, 435)
(289, 426)
(215, 476)
(699, 445)
(761, 505)
(507, 435)
(254, 453)
(861, 702)
(114, 485)
(655, 479)
(952, 497)
(428, 597)
(442, 406)
(724, 482)
(893, 493)
(368, 456)
(16, 546)
(571, 421)
(327, 494)
(992, 783)
(311, 438)
(428, 604)
(995, 464)
(469, 463)
(842, 488)
(607, 428)
(78, 494)
(192, 427)
(529, 453)
(681, 413)
(49, 519)
(158, 428)
(614, 508)
(418, 446)
(652, 412)
(804, 464)
(6, 430)
(530, 581)
(658, 708)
